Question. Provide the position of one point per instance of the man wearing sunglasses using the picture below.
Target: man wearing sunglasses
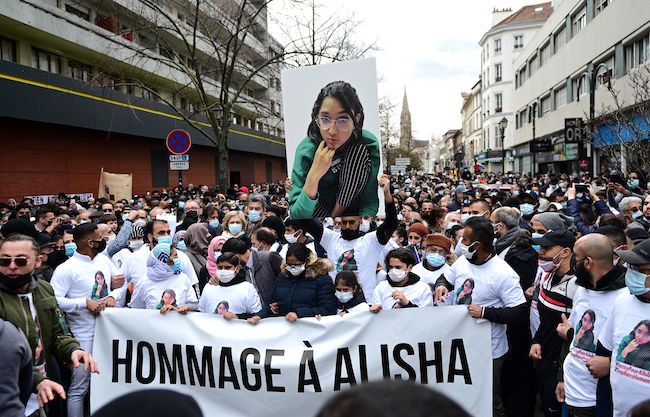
(26, 300)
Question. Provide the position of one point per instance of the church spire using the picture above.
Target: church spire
(405, 137)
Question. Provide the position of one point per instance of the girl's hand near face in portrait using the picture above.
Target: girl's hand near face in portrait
(322, 162)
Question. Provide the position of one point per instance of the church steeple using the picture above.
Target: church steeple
(405, 137)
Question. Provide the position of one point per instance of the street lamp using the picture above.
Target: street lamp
(502, 127)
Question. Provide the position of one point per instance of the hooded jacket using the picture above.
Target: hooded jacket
(308, 294)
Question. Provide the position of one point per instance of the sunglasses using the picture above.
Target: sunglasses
(5, 262)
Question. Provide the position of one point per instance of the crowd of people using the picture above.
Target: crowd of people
(558, 264)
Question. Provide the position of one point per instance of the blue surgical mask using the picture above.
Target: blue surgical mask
(181, 246)
(637, 214)
(537, 236)
(435, 259)
(164, 239)
(527, 209)
(254, 216)
(217, 254)
(70, 248)
(633, 183)
(214, 223)
(178, 266)
(344, 296)
(181, 205)
(635, 282)
(234, 228)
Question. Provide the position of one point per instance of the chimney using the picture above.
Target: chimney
(499, 14)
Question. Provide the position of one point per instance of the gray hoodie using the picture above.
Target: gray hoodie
(16, 375)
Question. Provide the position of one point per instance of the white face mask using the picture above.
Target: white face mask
(464, 217)
(295, 270)
(225, 275)
(136, 244)
(291, 238)
(460, 249)
(344, 296)
(396, 275)
(469, 254)
(364, 226)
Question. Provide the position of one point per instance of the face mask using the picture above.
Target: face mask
(635, 282)
(470, 253)
(537, 236)
(400, 217)
(101, 246)
(435, 260)
(633, 183)
(295, 270)
(379, 222)
(225, 275)
(136, 244)
(181, 205)
(70, 248)
(365, 226)
(177, 267)
(254, 216)
(396, 275)
(637, 214)
(217, 254)
(460, 249)
(549, 265)
(348, 234)
(165, 239)
(344, 296)
(527, 209)
(15, 283)
(125, 217)
(56, 258)
(291, 238)
(234, 228)
(83, 221)
(464, 217)
(452, 224)
(214, 223)
(140, 222)
(181, 246)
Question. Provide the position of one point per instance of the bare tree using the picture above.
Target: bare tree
(625, 123)
(387, 130)
(320, 38)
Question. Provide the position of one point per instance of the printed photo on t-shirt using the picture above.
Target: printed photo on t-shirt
(168, 298)
(100, 288)
(463, 295)
(634, 349)
(346, 262)
(222, 308)
(584, 337)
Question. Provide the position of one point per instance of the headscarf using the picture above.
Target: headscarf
(178, 236)
(197, 239)
(211, 264)
(157, 268)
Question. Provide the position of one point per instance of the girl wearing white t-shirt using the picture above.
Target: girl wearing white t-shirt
(403, 288)
(233, 297)
(348, 294)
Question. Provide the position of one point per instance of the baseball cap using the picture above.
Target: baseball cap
(560, 237)
(639, 255)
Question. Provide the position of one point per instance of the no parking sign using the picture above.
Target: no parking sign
(178, 141)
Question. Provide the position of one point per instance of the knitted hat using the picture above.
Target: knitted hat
(162, 252)
(554, 221)
(420, 229)
(137, 232)
(439, 240)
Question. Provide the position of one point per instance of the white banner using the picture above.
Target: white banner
(285, 369)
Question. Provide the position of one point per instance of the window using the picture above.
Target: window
(545, 54)
(637, 53)
(147, 42)
(159, 168)
(559, 38)
(107, 22)
(579, 20)
(497, 45)
(7, 49)
(532, 65)
(580, 87)
(165, 52)
(519, 41)
(78, 10)
(545, 105)
(560, 96)
(79, 71)
(498, 98)
(107, 80)
(498, 73)
(46, 62)
(601, 5)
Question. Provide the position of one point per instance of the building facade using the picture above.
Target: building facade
(87, 85)
(568, 71)
(470, 114)
(508, 36)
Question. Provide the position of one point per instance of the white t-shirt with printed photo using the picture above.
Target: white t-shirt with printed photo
(590, 312)
(418, 294)
(627, 335)
(492, 284)
(241, 298)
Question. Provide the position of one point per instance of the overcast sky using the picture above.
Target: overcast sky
(429, 47)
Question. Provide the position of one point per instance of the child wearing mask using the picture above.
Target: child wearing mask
(348, 293)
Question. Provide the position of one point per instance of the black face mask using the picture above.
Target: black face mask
(56, 258)
(348, 234)
(15, 283)
(101, 246)
(583, 278)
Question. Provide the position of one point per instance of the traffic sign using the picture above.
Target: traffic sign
(178, 158)
(178, 141)
(179, 166)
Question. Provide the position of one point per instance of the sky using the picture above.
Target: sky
(429, 47)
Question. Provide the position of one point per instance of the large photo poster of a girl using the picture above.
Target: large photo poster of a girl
(634, 348)
(332, 129)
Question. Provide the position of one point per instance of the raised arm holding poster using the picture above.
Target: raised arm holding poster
(332, 139)
(285, 369)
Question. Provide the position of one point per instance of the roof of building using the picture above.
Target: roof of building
(530, 13)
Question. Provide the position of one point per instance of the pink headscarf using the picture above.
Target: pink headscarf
(211, 265)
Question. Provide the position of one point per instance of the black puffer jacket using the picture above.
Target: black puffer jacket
(307, 295)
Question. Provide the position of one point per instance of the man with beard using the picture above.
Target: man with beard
(352, 247)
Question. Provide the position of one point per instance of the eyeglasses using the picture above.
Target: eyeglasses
(5, 262)
(342, 123)
(635, 209)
